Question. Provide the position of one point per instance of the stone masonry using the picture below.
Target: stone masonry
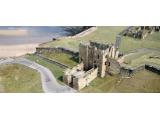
(95, 60)
(140, 32)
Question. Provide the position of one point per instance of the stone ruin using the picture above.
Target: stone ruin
(95, 60)
(140, 32)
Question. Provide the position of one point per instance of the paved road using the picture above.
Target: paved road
(49, 82)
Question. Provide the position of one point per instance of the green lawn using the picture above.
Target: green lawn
(143, 81)
(107, 34)
(56, 70)
(19, 78)
(151, 41)
(103, 34)
(141, 57)
(100, 85)
(61, 57)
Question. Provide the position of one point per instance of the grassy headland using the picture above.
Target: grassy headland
(19, 78)
(141, 82)
(107, 34)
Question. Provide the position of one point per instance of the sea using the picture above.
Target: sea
(35, 34)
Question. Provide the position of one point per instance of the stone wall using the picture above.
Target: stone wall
(78, 78)
(97, 55)
(153, 68)
(67, 77)
(52, 61)
(140, 32)
(127, 72)
(79, 83)
(39, 50)
(90, 75)
(118, 41)
(113, 67)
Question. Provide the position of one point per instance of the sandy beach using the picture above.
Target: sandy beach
(16, 50)
(19, 32)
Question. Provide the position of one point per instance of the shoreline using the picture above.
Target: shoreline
(22, 49)
(17, 50)
(78, 35)
(81, 34)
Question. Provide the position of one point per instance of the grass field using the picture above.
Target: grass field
(107, 34)
(102, 34)
(61, 57)
(56, 70)
(19, 78)
(141, 57)
(109, 84)
(141, 82)
(101, 85)
(151, 41)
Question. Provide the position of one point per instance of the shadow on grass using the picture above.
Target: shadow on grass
(60, 78)
(75, 59)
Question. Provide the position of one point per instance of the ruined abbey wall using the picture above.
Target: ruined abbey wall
(140, 32)
(40, 50)
(128, 72)
(67, 78)
(96, 55)
(97, 59)
(79, 83)
(77, 78)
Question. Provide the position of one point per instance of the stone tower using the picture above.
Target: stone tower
(94, 55)
(95, 59)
